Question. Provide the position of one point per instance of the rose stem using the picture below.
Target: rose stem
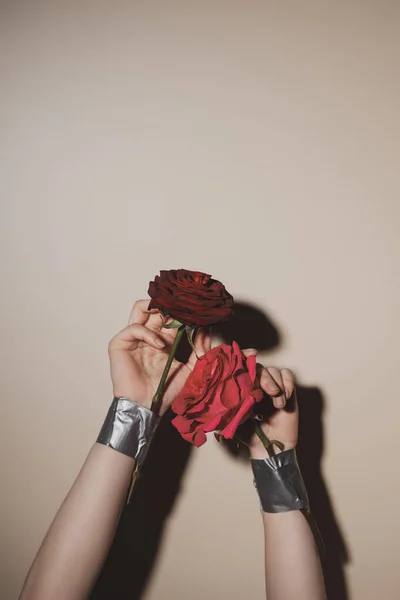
(167, 367)
(266, 442)
(135, 476)
(314, 529)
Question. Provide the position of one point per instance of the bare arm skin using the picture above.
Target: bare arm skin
(77, 543)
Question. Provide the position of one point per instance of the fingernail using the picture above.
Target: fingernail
(288, 393)
(251, 349)
(279, 402)
(160, 343)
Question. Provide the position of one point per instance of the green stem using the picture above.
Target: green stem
(167, 367)
(266, 442)
(315, 531)
(134, 478)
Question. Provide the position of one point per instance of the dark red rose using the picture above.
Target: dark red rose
(219, 394)
(190, 297)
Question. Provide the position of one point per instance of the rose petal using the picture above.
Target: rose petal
(251, 364)
(181, 403)
(197, 438)
(230, 396)
(213, 424)
(181, 424)
(257, 394)
(244, 411)
(244, 383)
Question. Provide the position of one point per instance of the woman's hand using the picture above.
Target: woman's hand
(138, 355)
(278, 411)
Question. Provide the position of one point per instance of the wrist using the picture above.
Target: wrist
(128, 428)
(279, 482)
(259, 452)
(131, 396)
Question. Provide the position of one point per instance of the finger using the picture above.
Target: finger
(125, 339)
(272, 384)
(140, 312)
(268, 383)
(279, 399)
(249, 352)
(288, 382)
(201, 345)
(202, 341)
(155, 321)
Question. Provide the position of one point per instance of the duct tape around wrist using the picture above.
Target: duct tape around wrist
(279, 482)
(128, 428)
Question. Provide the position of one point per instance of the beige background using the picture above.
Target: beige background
(255, 140)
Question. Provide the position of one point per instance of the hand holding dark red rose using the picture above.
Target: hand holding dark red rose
(139, 353)
(220, 391)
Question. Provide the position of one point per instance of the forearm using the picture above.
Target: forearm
(292, 565)
(71, 556)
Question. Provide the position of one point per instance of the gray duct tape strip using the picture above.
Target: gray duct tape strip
(128, 428)
(279, 483)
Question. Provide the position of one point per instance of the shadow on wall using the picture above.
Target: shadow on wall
(139, 536)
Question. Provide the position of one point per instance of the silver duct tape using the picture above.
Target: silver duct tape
(279, 483)
(128, 428)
